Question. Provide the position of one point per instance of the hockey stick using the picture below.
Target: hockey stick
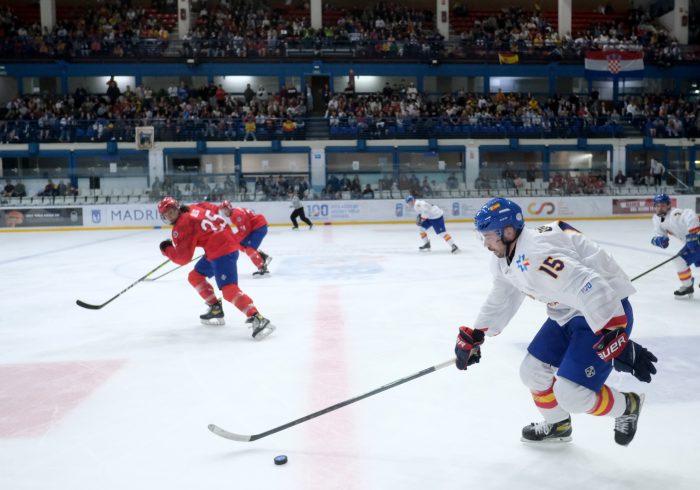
(97, 307)
(173, 270)
(656, 267)
(247, 438)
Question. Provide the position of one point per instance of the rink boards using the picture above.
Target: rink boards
(336, 212)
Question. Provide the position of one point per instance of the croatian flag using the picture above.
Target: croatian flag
(607, 64)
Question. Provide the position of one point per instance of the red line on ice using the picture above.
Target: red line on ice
(331, 437)
(34, 397)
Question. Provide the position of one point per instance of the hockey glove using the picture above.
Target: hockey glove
(467, 349)
(660, 241)
(165, 244)
(419, 220)
(626, 355)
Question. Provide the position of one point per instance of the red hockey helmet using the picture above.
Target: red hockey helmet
(167, 203)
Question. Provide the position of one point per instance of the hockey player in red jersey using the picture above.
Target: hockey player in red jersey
(200, 225)
(251, 229)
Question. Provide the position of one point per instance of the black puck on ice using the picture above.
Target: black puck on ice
(281, 459)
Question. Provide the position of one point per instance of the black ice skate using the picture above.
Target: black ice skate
(546, 432)
(425, 247)
(261, 326)
(266, 258)
(685, 291)
(455, 249)
(626, 424)
(262, 271)
(215, 315)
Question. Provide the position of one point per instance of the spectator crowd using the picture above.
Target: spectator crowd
(251, 28)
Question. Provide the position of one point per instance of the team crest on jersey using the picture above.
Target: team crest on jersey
(175, 234)
(523, 263)
(590, 371)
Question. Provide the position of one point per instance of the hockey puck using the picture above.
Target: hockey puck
(281, 459)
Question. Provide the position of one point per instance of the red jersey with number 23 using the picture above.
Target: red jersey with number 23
(201, 226)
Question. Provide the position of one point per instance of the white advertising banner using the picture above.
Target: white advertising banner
(392, 211)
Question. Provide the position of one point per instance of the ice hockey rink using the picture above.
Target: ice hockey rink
(121, 397)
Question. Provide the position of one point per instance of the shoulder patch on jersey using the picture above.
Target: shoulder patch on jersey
(522, 262)
(194, 212)
(544, 228)
(564, 226)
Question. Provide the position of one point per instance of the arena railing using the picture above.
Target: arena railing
(248, 50)
(229, 129)
(125, 197)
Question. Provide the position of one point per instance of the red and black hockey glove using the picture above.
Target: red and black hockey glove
(467, 349)
(626, 355)
(164, 245)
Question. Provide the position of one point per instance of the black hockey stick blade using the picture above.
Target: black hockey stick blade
(249, 438)
(88, 306)
(83, 304)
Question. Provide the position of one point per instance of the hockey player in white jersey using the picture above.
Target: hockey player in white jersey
(684, 225)
(586, 333)
(430, 215)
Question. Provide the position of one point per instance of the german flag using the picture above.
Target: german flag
(508, 58)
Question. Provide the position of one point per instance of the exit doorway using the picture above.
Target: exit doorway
(320, 92)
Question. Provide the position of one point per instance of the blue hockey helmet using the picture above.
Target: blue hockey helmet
(409, 199)
(662, 199)
(497, 214)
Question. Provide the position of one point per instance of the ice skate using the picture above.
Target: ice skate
(626, 424)
(295, 227)
(546, 432)
(215, 315)
(266, 258)
(260, 326)
(685, 291)
(455, 249)
(263, 271)
(425, 247)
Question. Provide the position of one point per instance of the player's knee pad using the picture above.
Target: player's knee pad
(231, 292)
(195, 278)
(535, 374)
(573, 397)
(680, 265)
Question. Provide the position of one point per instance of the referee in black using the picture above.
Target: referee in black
(298, 212)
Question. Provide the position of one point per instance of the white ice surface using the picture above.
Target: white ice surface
(356, 307)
